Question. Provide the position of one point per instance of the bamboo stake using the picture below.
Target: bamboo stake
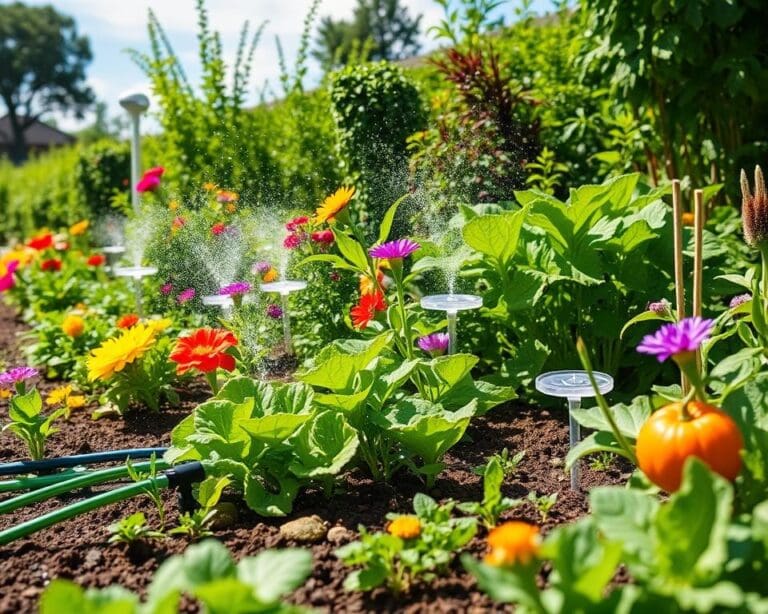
(698, 261)
(677, 231)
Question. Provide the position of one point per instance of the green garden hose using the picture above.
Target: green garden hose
(90, 478)
(39, 481)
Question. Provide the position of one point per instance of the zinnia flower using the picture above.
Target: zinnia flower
(740, 300)
(58, 396)
(218, 228)
(674, 339)
(366, 283)
(73, 326)
(269, 276)
(209, 186)
(296, 222)
(661, 308)
(261, 267)
(435, 344)
(186, 295)
(150, 180)
(178, 222)
(204, 350)
(405, 527)
(52, 264)
(394, 250)
(166, 288)
(293, 240)
(366, 309)
(225, 196)
(274, 311)
(79, 228)
(128, 320)
(114, 354)
(17, 375)
(96, 260)
(334, 204)
(236, 289)
(754, 210)
(513, 543)
(173, 205)
(75, 401)
(41, 241)
(323, 236)
(6, 275)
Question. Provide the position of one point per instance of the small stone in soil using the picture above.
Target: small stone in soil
(226, 516)
(307, 529)
(340, 535)
(556, 461)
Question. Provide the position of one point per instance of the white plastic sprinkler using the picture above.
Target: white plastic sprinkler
(137, 273)
(573, 385)
(225, 302)
(284, 288)
(451, 304)
(136, 104)
(113, 252)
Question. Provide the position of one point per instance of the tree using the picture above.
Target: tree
(383, 28)
(42, 68)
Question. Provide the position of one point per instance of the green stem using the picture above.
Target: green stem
(213, 381)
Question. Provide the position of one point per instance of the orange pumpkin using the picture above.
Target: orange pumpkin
(669, 437)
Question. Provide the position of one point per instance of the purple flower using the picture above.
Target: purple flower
(166, 289)
(236, 289)
(261, 267)
(274, 311)
(394, 249)
(672, 339)
(740, 300)
(660, 308)
(17, 375)
(435, 344)
(186, 295)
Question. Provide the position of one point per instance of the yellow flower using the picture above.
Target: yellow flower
(79, 228)
(173, 205)
(159, 325)
(405, 527)
(73, 326)
(269, 276)
(512, 543)
(75, 401)
(22, 255)
(209, 186)
(112, 355)
(334, 204)
(4, 393)
(231, 207)
(59, 395)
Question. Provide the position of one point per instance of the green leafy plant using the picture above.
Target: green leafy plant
(131, 529)
(29, 423)
(494, 503)
(602, 461)
(153, 490)
(206, 572)
(195, 524)
(542, 504)
(414, 548)
(509, 462)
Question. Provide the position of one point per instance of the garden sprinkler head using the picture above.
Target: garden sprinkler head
(135, 103)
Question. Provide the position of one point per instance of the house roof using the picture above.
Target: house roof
(38, 134)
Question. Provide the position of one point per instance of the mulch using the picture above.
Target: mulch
(77, 549)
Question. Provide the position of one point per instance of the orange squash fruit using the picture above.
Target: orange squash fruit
(669, 437)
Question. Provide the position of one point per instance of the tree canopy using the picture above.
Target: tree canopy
(42, 67)
(379, 29)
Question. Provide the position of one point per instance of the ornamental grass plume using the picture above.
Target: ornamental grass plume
(114, 354)
(513, 543)
(754, 211)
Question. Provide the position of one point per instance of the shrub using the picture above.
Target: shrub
(103, 170)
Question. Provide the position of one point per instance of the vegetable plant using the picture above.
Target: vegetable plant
(195, 524)
(152, 491)
(509, 462)
(132, 528)
(494, 503)
(542, 503)
(30, 424)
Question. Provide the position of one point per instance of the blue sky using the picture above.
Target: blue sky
(115, 25)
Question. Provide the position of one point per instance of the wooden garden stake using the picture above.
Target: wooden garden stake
(698, 260)
(677, 231)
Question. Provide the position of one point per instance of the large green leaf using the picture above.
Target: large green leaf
(496, 236)
(25, 407)
(445, 372)
(323, 446)
(238, 389)
(274, 428)
(629, 418)
(277, 500)
(506, 585)
(65, 596)
(272, 574)
(352, 251)
(485, 394)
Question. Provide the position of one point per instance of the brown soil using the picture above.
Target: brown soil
(78, 549)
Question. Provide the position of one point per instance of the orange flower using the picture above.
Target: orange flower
(270, 276)
(79, 228)
(127, 320)
(366, 309)
(208, 186)
(405, 527)
(204, 350)
(513, 543)
(366, 283)
(73, 326)
(334, 204)
(41, 241)
(688, 218)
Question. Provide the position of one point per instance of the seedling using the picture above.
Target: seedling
(152, 491)
(29, 424)
(195, 524)
(132, 529)
(493, 503)
(543, 504)
(509, 463)
(602, 461)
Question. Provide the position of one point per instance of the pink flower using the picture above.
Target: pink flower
(736, 301)
(394, 250)
(296, 222)
(236, 289)
(155, 171)
(218, 228)
(7, 280)
(261, 267)
(323, 236)
(274, 311)
(435, 344)
(678, 338)
(148, 184)
(166, 289)
(186, 295)
(293, 240)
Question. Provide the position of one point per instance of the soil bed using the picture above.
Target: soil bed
(78, 549)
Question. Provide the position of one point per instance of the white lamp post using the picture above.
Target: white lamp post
(135, 104)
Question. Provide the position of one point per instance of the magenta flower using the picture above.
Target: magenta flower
(392, 250)
(148, 183)
(740, 300)
(7, 280)
(261, 267)
(274, 311)
(660, 308)
(435, 344)
(186, 295)
(323, 236)
(166, 289)
(296, 223)
(293, 240)
(17, 375)
(678, 338)
(236, 289)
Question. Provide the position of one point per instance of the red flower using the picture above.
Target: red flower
(178, 222)
(293, 240)
(366, 309)
(218, 228)
(96, 260)
(150, 180)
(41, 241)
(296, 222)
(155, 171)
(127, 320)
(323, 236)
(204, 350)
(52, 264)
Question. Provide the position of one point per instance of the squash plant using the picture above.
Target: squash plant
(270, 439)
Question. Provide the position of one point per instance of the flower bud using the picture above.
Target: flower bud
(754, 210)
